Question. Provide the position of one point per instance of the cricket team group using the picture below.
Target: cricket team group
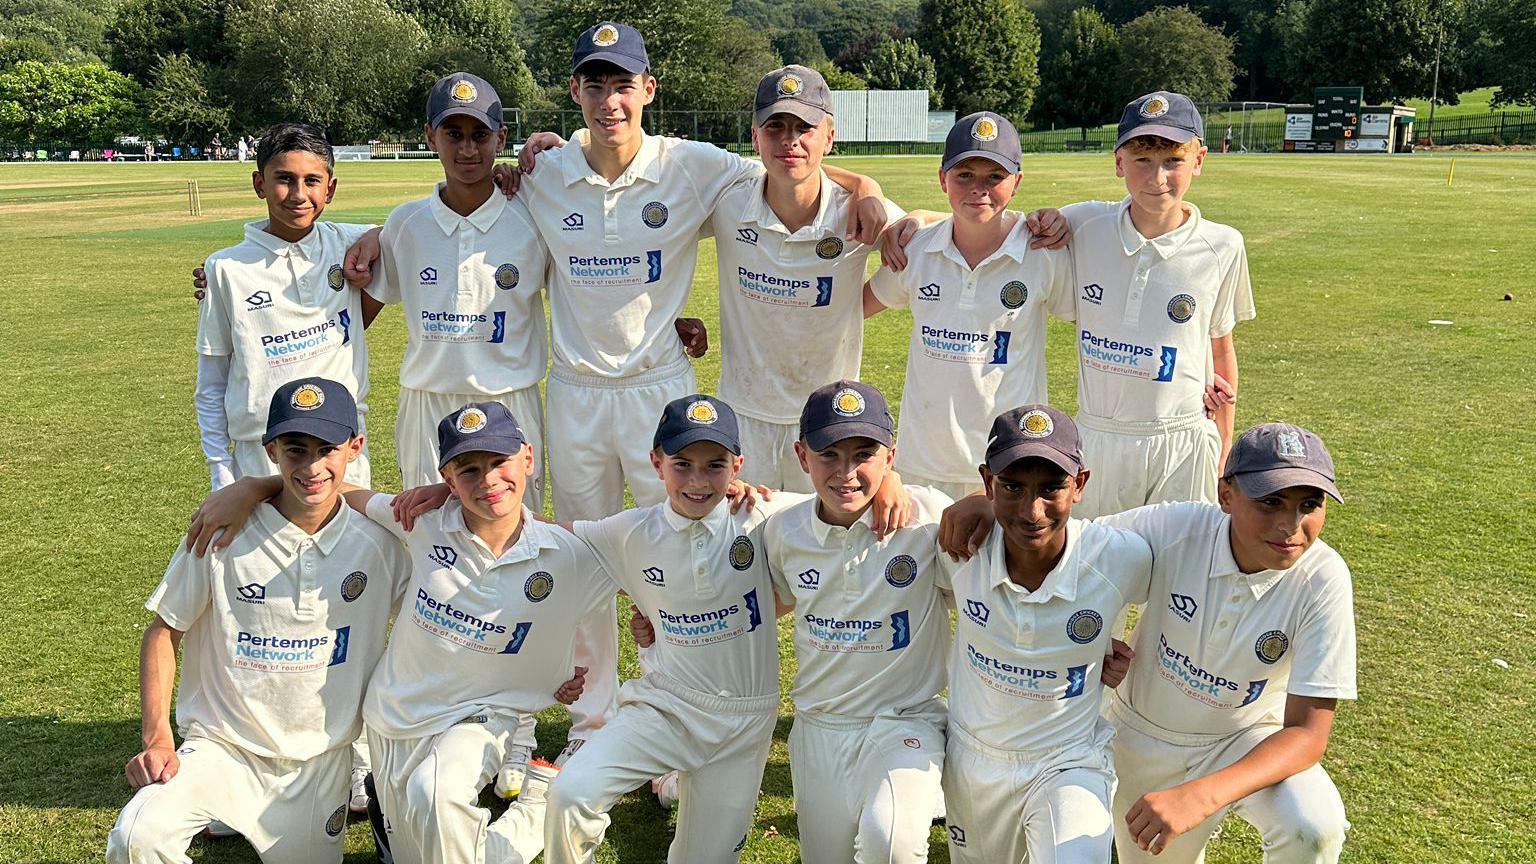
(955, 590)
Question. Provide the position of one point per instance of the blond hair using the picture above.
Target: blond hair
(1142, 144)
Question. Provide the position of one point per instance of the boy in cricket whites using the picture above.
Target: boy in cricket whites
(277, 308)
(280, 632)
(871, 639)
(493, 599)
(979, 295)
(1027, 771)
(707, 704)
(1159, 291)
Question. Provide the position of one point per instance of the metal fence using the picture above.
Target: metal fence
(1507, 127)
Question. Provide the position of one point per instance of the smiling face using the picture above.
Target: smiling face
(1158, 172)
(312, 470)
(791, 148)
(612, 103)
(1032, 500)
(696, 476)
(296, 185)
(846, 476)
(489, 486)
(979, 189)
(1273, 531)
(467, 148)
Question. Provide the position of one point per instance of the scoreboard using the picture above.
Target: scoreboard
(1336, 113)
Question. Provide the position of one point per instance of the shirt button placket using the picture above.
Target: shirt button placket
(611, 215)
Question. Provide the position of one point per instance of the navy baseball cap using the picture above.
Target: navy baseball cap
(1035, 431)
(696, 418)
(1275, 456)
(1164, 114)
(312, 406)
(485, 427)
(609, 42)
(983, 134)
(463, 93)
(845, 409)
(797, 90)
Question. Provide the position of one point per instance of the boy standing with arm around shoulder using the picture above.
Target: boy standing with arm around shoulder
(1159, 291)
(280, 632)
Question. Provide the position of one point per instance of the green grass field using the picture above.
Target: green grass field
(1351, 258)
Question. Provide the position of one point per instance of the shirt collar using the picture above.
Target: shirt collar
(1014, 245)
(645, 166)
(714, 523)
(482, 219)
(307, 247)
(759, 212)
(1060, 582)
(535, 534)
(1224, 564)
(823, 529)
(1163, 247)
(288, 536)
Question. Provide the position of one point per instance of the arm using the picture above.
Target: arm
(157, 762)
(1160, 816)
(891, 507)
(872, 304)
(965, 525)
(212, 423)
(371, 309)
(358, 265)
(866, 212)
(1224, 359)
(894, 240)
(221, 516)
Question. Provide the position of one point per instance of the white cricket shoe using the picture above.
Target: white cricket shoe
(509, 780)
(358, 802)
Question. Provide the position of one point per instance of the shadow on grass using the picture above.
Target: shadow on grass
(57, 763)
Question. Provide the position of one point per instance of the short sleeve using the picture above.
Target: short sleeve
(1234, 298)
(385, 286)
(1079, 213)
(381, 511)
(185, 592)
(600, 538)
(1060, 287)
(214, 333)
(716, 169)
(890, 287)
(351, 232)
(944, 573)
(1324, 666)
(598, 587)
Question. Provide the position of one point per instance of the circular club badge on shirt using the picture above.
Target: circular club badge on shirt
(334, 279)
(352, 586)
(742, 553)
(1014, 294)
(654, 214)
(901, 571)
(507, 276)
(1271, 646)
(828, 248)
(538, 586)
(1084, 626)
(1181, 308)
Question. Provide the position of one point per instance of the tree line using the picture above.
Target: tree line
(183, 70)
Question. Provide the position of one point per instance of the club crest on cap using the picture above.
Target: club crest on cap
(790, 85)
(701, 412)
(470, 420)
(333, 277)
(1271, 646)
(1157, 106)
(742, 553)
(654, 214)
(307, 398)
(507, 276)
(1289, 444)
(352, 586)
(538, 586)
(985, 129)
(606, 35)
(1036, 424)
(828, 248)
(1014, 294)
(848, 402)
(1181, 308)
(464, 91)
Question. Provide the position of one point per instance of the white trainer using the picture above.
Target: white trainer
(665, 788)
(509, 780)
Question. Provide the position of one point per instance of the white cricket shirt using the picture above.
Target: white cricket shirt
(704, 585)
(480, 633)
(1218, 650)
(623, 253)
(283, 630)
(871, 626)
(977, 347)
(282, 311)
(791, 303)
(470, 289)
(1147, 310)
(1027, 663)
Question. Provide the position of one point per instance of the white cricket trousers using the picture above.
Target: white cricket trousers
(416, 434)
(1043, 806)
(600, 433)
(768, 455)
(291, 811)
(1301, 818)
(866, 787)
(1139, 463)
(718, 745)
(429, 792)
(251, 460)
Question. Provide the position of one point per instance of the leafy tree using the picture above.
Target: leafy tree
(73, 30)
(1510, 57)
(985, 53)
(1172, 49)
(321, 61)
(13, 51)
(86, 104)
(900, 65)
(144, 31)
(1078, 85)
(799, 45)
(478, 36)
(180, 103)
(1385, 46)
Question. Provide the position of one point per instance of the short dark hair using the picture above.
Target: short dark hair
(602, 70)
(289, 137)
